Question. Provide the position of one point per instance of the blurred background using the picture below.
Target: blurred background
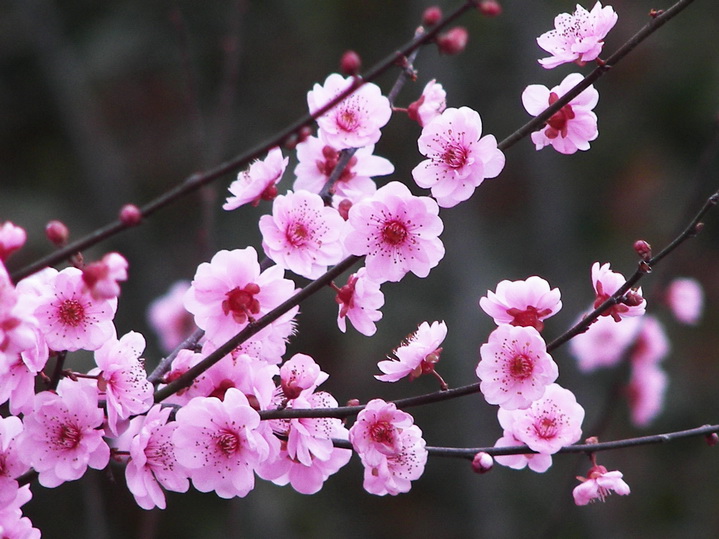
(105, 103)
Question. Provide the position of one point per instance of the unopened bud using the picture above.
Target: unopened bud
(431, 16)
(453, 41)
(482, 462)
(57, 232)
(130, 215)
(712, 439)
(490, 8)
(350, 63)
(632, 299)
(344, 208)
(643, 249)
(353, 402)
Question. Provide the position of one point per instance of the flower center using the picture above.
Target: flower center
(228, 443)
(546, 428)
(69, 436)
(71, 312)
(520, 366)
(347, 120)
(454, 156)
(241, 302)
(557, 124)
(297, 234)
(529, 317)
(394, 232)
(382, 432)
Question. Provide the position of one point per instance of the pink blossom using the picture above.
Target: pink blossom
(12, 237)
(515, 367)
(645, 392)
(685, 298)
(152, 463)
(218, 443)
(101, 278)
(302, 234)
(70, 318)
(606, 283)
(19, 329)
(604, 343)
(390, 446)
(12, 524)
(169, 318)
(122, 378)
(317, 160)
(11, 464)
(431, 103)
(458, 160)
(551, 422)
(537, 462)
(183, 361)
(599, 485)
(355, 121)
(397, 232)
(300, 373)
(359, 301)
(522, 303)
(573, 126)
(417, 355)
(578, 37)
(257, 182)
(308, 456)
(17, 384)
(230, 291)
(651, 344)
(62, 435)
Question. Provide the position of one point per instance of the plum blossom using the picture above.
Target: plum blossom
(390, 446)
(577, 37)
(257, 182)
(169, 318)
(12, 238)
(302, 234)
(152, 463)
(317, 160)
(217, 442)
(122, 378)
(651, 344)
(300, 374)
(63, 434)
(397, 232)
(11, 464)
(522, 303)
(19, 329)
(645, 393)
(230, 291)
(359, 302)
(537, 462)
(101, 278)
(686, 300)
(549, 423)
(431, 103)
(69, 317)
(458, 160)
(12, 524)
(356, 120)
(598, 485)
(573, 126)
(606, 282)
(515, 367)
(417, 355)
(604, 343)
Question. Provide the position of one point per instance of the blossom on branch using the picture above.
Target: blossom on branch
(398, 233)
(417, 355)
(599, 485)
(431, 104)
(257, 182)
(359, 302)
(356, 120)
(573, 126)
(577, 37)
(458, 160)
(606, 282)
(522, 303)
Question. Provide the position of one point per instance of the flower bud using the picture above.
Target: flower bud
(643, 249)
(344, 208)
(490, 8)
(431, 16)
(632, 299)
(712, 439)
(454, 41)
(350, 63)
(482, 462)
(57, 232)
(130, 215)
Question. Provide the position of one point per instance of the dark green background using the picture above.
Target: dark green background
(105, 103)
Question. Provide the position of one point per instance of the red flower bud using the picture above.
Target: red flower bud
(130, 215)
(490, 8)
(482, 462)
(57, 232)
(431, 16)
(350, 63)
(454, 41)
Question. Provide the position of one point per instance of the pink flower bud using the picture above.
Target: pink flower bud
(712, 439)
(643, 249)
(130, 215)
(482, 462)
(431, 16)
(350, 63)
(344, 208)
(490, 8)
(454, 41)
(57, 232)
